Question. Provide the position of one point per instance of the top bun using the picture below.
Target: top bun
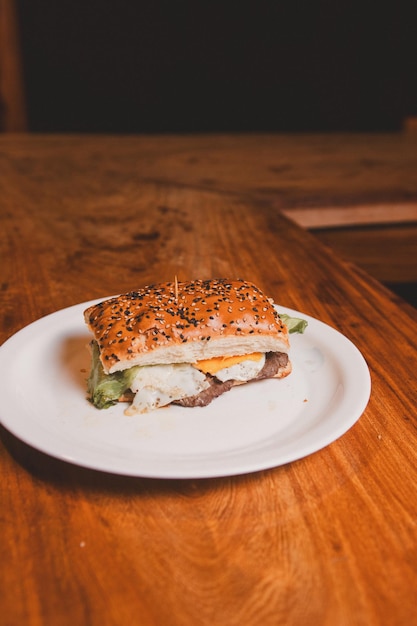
(184, 322)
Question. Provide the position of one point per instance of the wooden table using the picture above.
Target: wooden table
(330, 539)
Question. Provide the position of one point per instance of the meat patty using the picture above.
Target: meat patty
(217, 387)
(273, 363)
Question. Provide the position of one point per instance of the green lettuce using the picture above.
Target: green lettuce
(294, 324)
(105, 389)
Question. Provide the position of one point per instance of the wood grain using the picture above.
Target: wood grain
(316, 180)
(327, 540)
(293, 171)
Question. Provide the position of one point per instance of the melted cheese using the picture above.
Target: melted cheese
(212, 366)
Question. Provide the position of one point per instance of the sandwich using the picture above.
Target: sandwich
(185, 343)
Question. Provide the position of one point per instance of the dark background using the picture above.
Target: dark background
(187, 66)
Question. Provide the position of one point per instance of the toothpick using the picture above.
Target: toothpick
(176, 289)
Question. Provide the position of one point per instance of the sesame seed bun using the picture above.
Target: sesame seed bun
(185, 322)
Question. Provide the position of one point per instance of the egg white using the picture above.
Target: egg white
(155, 386)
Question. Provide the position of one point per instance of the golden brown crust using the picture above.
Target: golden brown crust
(197, 319)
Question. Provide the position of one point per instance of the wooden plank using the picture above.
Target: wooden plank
(335, 216)
(388, 252)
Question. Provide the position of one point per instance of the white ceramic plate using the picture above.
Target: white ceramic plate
(252, 427)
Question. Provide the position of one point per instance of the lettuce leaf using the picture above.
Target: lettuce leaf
(105, 389)
(294, 324)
